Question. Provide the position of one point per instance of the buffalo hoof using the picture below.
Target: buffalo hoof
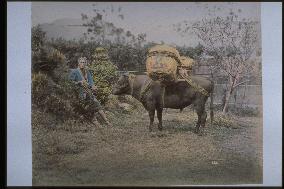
(153, 134)
(161, 134)
(201, 132)
(196, 130)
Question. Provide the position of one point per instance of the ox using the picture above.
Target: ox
(154, 96)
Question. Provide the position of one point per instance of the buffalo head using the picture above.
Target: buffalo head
(121, 86)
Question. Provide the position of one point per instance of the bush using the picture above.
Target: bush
(239, 111)
(224, 121)
(245, 111)
(84, 108)
(60, 99)
(46, 60)
(104, 74)
(38, 38)
(40, 88)
(52, 92)
(50, 97)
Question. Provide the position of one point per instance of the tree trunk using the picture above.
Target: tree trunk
(244, 96)
(228, 95)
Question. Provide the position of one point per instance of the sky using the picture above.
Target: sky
(156, 19)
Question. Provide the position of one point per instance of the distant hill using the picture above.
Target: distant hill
(67, 28)
(71, 28)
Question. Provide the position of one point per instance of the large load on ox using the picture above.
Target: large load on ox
(162, 62)
(186, 65)
(186, 62)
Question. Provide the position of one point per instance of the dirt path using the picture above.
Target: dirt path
(176, 156)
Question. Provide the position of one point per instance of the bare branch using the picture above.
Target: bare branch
(238, 84)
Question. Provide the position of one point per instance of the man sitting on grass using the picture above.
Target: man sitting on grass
(83, 77)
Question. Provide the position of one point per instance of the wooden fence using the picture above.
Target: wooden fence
(243, 96)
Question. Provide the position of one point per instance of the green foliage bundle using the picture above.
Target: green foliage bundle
(60, 99)
(104, 74)
(50, 97)
(40, 88)
(52, 91)
(47, 59)
(74, 105)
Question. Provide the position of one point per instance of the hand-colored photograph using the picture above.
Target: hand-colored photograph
(146, 93)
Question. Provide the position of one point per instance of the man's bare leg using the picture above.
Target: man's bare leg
(103, 115)
(96, 122)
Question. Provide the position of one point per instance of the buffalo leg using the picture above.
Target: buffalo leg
(159, 115)
(202, 115)
(196, 130)
(151, 115)
(202, 122)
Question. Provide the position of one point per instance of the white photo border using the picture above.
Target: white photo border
(19, 139)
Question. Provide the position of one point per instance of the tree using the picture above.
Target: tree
(38, 38)
(125, 49)
(98, 29)
(231, 42)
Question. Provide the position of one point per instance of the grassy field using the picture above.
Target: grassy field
(74, 153)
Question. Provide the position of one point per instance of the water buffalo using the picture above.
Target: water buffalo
(176, 96)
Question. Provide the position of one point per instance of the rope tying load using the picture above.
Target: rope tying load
(164, 53)
(195, 85)
(144, 88)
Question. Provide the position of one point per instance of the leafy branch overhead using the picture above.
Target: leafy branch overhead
(101, 30)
